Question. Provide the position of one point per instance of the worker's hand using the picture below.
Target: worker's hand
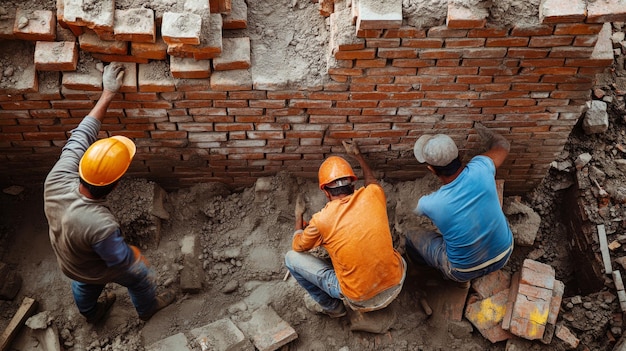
(112, 77)
(351, 147)
(485, 134)
(300, 206)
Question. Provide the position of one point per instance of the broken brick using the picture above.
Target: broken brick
(135, 25)
(56, 56)
(34, 25)
(487, 315)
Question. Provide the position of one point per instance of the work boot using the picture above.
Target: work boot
(162, 300)
(315, 307)
(103, 306)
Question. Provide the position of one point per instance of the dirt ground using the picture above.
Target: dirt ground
(244, 234)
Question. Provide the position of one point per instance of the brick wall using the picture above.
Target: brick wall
(387, 85)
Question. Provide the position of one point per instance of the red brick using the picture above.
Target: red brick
(551, 41)
(588, 63)
(506, 42)
(585, 40)
(531, 30)
(153, 51)
(461, 17)
(119, 58)
(154, 77)
(487, 33)
(391, 71)
(346, 71)
(481, 62)
(397, 53)
(451, 95)
(189, 68)
(41, 25)
(412, 63)
(90, 42)
(440, 54)
(448, 62)
(498, 71)
(564, 334)
(606, 11)
(356, 54)
(530, 312)
(571, 52)
(562, 11)
(577, 28)
(135, 25)
(56, 56)
(464, 42)
(487, 315)
(449, 71)
(528, 53)
(486, 103)
(248, 95)
(521, 102)
(484, 53)
(382, 43)
(404, 32)
(473, 79)
(549, 70)
(371, 63)
(445, 32)
(551, 62)
(423, 43)
(369, 33)
(444, 87)
(235, 54)
(172, 33)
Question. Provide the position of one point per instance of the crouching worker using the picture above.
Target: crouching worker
(364, 269)
(475, 238)
(84, 234)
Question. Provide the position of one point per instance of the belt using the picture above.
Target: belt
(486, 263)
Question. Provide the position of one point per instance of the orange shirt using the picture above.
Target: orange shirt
(355, 232)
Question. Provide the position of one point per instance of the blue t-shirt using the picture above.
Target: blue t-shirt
(468, 214)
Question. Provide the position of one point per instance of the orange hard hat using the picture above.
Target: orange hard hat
(106, 160)
(334, 168)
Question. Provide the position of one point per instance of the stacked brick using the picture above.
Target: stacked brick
(191, 103)
(526, 305)
(526, 81)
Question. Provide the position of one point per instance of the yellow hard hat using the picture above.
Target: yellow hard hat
(106, 160)
(334, 168)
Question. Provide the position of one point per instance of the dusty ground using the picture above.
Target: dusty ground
(245, 233)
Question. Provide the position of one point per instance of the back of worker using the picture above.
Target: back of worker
(355, 232)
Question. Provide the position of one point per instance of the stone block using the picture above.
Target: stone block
(379, 14)
(222, 335)
(487, 315)
(464, 17)
(181, 28)
(176, 342)
(135, 25)
(267, 330)
(189, 67)
(491, 283)
(34, 25)
(56, 56)
(192, 274)
(603, 49)
(596, 120)
(235, 54)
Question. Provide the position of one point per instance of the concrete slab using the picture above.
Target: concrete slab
(177, 342)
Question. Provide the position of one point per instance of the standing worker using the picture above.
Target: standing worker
(475, 237)
(364, 270)
(85, 236)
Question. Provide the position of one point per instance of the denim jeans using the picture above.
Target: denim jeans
(139, 279)
(317, 276)
(429, 248)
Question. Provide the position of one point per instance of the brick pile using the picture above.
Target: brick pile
(191, 104)
(525, 305)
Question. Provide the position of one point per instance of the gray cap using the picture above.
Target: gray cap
(436, 150)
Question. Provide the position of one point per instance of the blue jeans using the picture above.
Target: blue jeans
(428, 248)
(317, 277)
(139, 279)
